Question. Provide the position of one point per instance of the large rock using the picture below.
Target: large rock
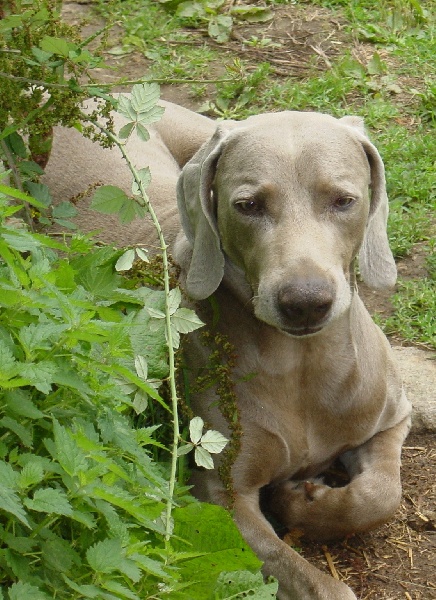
(418, 369)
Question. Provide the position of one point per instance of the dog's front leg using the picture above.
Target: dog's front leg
(368, 500)
(298, 579)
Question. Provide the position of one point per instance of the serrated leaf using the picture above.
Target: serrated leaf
(185, 320)
(120, 590)
(108, 199)
(196, 429)
(22, 432)
(31, 474)
(144, 96)
(105, 556)
(8, 476)
(39, 374)
(11, 503)
(7, 360)
(41, 192)
(59, 555)
(236, 585)
(70, 456)
(26, 591)
(213, 441)
(19, 402)
(203, 458)
(50, 501)
(125, 262)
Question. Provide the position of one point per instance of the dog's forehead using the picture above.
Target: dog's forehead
(308, 142)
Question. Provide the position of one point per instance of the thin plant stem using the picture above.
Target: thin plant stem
(169, 336)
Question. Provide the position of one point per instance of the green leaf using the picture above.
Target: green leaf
(8, 476)
(40, 374)
(203, 458)
(19, 402)
(185, 320)
(55, 46)
(105, 556)
(41, 192)
(174, 300)
(185, 449)
(144, 96)
(210, 530)
(58, 555)
(125, 262)
(142, 132)
(126, 131)
(31, 474)
(142, 254)
(11, 503)
(23, 433)
(145, 178)
(236, 585)
(108, 199)
(64, 210)
(70, 456)
(51, 501)
(9, 191)
(141, 367)
(220, 28)
(26, 591)
(196, 429)
(252, 14)
(120, 590)
(213, 441)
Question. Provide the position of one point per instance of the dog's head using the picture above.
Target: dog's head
(282, 201)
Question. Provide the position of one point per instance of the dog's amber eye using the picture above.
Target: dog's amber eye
(343, 202)
(248, 206)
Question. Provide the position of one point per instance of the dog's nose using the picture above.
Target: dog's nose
(306, 302)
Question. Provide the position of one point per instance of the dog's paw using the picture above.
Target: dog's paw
(312, 507)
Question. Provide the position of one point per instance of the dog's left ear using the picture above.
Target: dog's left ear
(376, 263)
(197, 213)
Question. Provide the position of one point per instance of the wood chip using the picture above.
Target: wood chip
(330, 562)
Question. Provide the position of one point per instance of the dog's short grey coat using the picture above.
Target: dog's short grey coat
(274, 211)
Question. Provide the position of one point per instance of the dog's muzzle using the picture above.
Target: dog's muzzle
(305, 305)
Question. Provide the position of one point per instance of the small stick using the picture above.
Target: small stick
(330, 562)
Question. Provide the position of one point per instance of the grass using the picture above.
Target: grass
(385, 73)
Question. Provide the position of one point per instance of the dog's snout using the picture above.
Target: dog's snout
(305, 303)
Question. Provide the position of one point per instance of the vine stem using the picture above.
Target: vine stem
(169, 336)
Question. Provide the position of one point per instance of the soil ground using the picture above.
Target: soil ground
(396, 561)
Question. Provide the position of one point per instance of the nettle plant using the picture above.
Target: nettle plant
(86, 512)
(90, 505)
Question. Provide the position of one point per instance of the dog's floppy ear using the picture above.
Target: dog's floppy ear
(197, 213)
(376, 263)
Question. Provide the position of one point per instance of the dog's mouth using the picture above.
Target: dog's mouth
(302, 331)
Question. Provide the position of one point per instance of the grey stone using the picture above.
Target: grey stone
(418, 370)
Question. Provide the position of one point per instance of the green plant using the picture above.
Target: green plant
(85, 510)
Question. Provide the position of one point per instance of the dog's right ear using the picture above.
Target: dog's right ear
(198, 217)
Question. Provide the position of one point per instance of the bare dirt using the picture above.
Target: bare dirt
(396, 561)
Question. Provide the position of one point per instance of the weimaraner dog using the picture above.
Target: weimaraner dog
(274, 210)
